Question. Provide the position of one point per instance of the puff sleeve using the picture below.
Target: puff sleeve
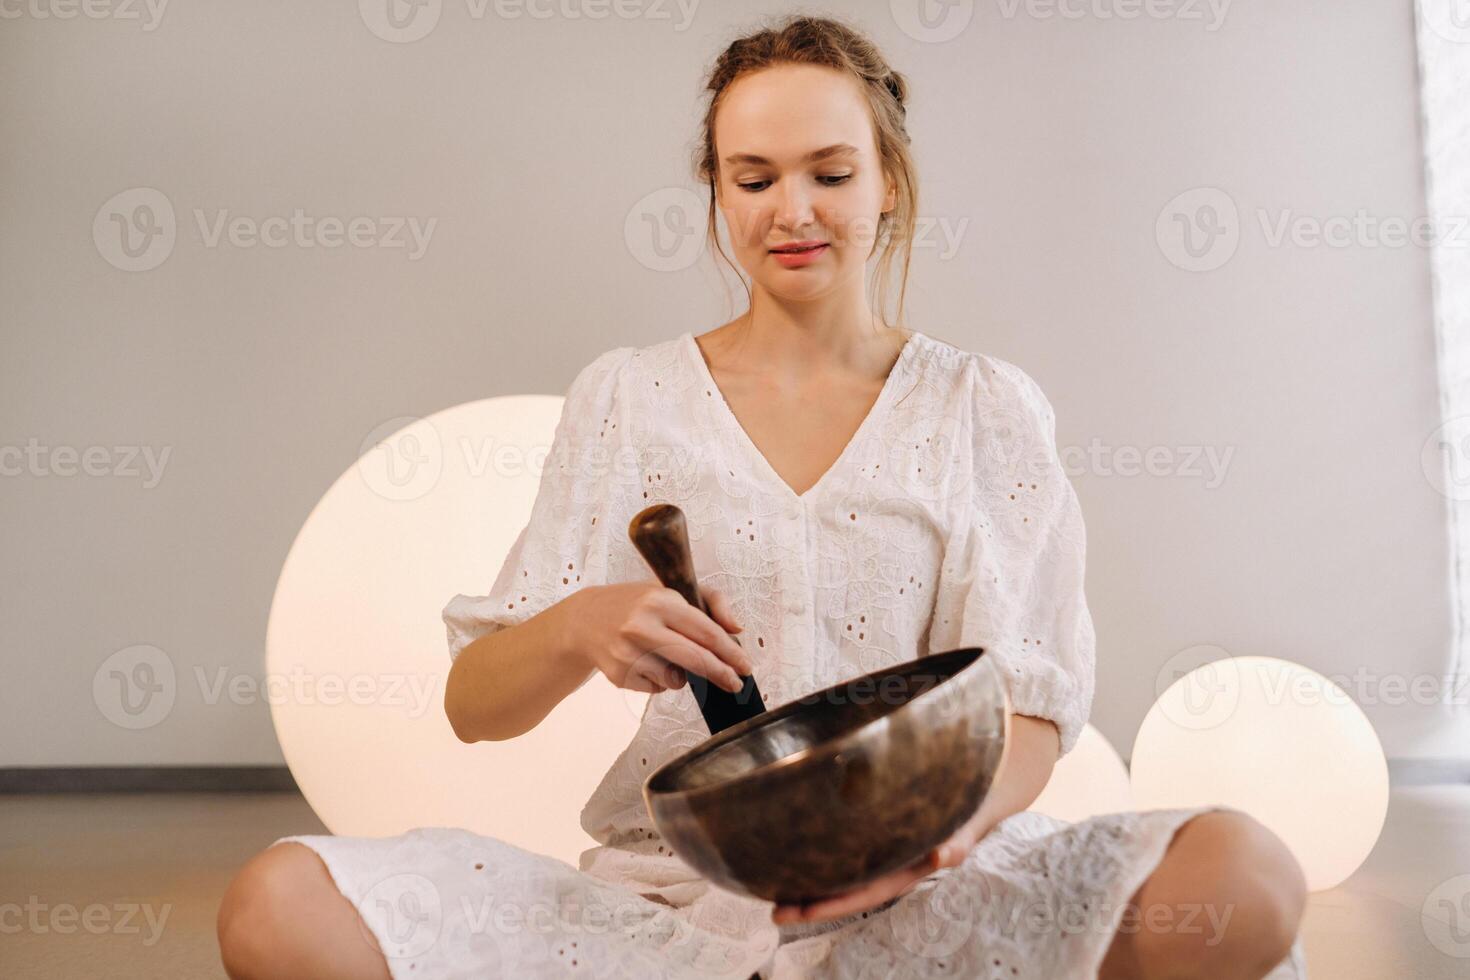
(1012, 578)
(557, 551)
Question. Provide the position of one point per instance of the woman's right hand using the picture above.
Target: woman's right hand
(644, 636)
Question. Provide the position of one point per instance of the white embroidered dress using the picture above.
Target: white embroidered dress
(946, 522)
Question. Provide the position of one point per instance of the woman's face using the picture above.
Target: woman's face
(798, 163)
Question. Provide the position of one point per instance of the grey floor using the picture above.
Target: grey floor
(81, 875)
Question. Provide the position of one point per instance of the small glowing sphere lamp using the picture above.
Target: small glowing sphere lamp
(1278, 741)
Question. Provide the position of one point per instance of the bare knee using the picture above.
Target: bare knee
(258, 901)
(1226, 902)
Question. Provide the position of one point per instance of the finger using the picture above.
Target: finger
(659, 670)
(835, 908)
(677, 649)
(868, 896)
(895, 883)
(657, 681)
(720, 611)
(953, 852)
(957, 848)
(783, 914)
(699, 629)
(654, 642)
(636, 680)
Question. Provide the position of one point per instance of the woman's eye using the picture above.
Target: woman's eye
(829, 180)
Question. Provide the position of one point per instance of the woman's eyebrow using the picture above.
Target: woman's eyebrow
(836, 149)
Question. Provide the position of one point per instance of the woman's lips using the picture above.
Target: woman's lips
(803, 256)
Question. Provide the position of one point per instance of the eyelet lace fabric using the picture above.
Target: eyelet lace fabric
(947, 521)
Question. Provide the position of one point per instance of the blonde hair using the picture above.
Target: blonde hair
(806, 40)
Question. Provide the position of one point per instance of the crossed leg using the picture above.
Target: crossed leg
(1228, 864)
(283, 918)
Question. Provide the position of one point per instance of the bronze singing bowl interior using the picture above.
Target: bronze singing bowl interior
(838, 787)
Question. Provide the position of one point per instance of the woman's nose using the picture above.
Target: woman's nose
(794, 211)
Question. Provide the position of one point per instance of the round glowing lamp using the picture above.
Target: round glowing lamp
(1278, 741)
(357, 656)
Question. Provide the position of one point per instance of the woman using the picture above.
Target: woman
(857, 495)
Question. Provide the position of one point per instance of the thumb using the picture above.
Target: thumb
(719, 610)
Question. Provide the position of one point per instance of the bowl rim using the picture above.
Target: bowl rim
(824, 750)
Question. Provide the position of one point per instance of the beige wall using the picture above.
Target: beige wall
(521, 148)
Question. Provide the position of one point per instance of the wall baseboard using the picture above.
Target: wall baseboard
(146, 779)
(1428, 772)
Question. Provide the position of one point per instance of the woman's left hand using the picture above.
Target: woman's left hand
(895, 883)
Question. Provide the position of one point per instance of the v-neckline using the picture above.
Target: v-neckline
(875, 411)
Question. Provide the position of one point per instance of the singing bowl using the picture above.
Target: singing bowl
(834, 789)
